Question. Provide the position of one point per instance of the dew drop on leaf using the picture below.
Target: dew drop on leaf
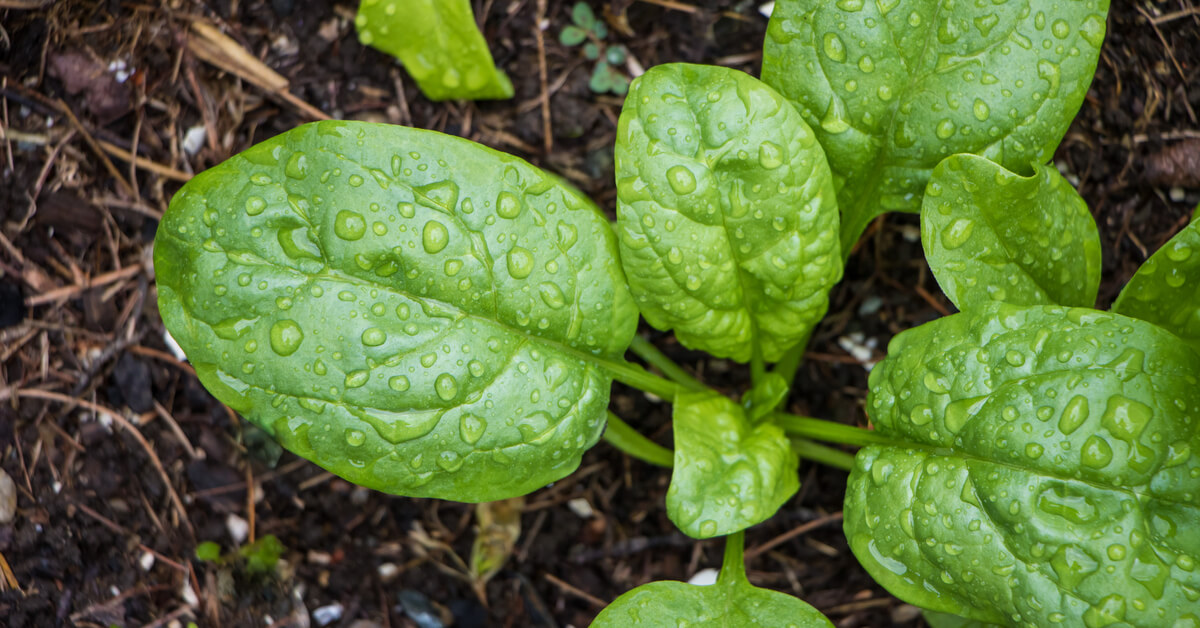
(434, 237)
(286, 337)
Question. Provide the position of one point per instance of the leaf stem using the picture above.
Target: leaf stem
(758, 368)
(827, 456)
(628, 440)
(790, 362)
(653, 356)
(733, 565)
(638, 377)
(828, 431)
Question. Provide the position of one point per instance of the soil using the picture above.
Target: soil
(123, 464)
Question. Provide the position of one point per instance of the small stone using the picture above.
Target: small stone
(328, 614)
(8, 499)
(238, 528)
(581, 508)
(704, 577)
(388, 571)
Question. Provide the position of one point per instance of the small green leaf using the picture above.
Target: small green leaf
(992, 235)
(615, 55)
(572, 36)
(725, 211)
(892, 87)
(620, 84)
(599, 82)
(262, 555)
(729, 475)
(1166, 289)
(726, 604)
(600, 30)
(439, 45)
(591, 51)
(582, 15)
(1045, 472)
(765, 397)
(208, 552)
(413, 311)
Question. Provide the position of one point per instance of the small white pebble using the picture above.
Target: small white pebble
(146, 561)
(193, 140)
(1177, 194)
(859, 348)
(581, 507)
(319, 558)
(704, 577)
(328, 614)
(238, 528)
(387, 571)
(767, 8)
(188, 595)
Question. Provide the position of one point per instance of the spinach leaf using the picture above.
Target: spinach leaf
(728, 474)
(946, 620)
(893, 86)
(412, 311)
(991, 235)
(726, 211)
(439, 45)
(730, 603)
(1045, 470)
(1163, 291)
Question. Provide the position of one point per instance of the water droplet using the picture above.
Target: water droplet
(1096, 452)
(708, 528)
(1126, 418)
(1061, 29)
(957, 233)
(434, 237)
(355, 438)
(681, 179)
(429, 359)
(407, 210)
(567, 235)
(446, 386)
(355, 180)
(834, 48)
(398, 383)
(520, 262)
(471, 428)
(349, 225)
(866, 64)
(1073, 415)
(286, 337)
(255, 205)
(770, 155)
(508, 205)
(945, 128)
(850, 6)
(297, 166)
(356, 379)
(373, 337)
(552, 295)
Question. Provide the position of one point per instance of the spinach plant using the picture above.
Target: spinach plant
(590, 32)
(429, 317)
(439, 45)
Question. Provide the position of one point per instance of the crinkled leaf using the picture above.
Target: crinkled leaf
(439, 45)
(415, 330)
(1165, 289)
(726, 211)
(1045, 470)
(728, 474)
(991, 235)
(732, 604)
(892, 87)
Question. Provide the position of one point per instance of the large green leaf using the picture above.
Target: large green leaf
(1045, 470)
(439, 45)
(991, 235)
(414, 312)
(893, 86)
(1164, 290)
(729, 474)
(726, 211)
(730, 603)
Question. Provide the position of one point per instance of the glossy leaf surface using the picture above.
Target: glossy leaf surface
(1045, 470)
(347, 288)
(991, 235)
(726, 211)
(730, 603)
(893, 86)
(1166, 289)
(728, 474)
(439, 45)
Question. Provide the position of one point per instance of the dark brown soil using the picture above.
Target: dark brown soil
(146, 465)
